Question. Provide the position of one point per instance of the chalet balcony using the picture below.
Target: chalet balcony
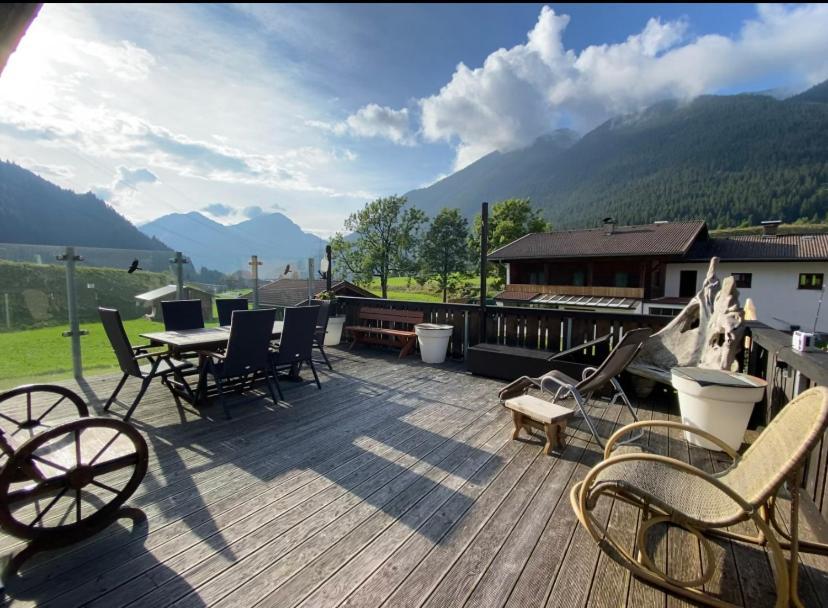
(397, 484)
(580, 290)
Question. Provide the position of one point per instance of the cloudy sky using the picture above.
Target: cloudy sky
(312, 110)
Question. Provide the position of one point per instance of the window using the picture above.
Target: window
(810, 280)
(742, 279)
(578, 278)
(659, 311)
(687, 284)
(621, 279)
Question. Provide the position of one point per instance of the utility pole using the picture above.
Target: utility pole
(484, 248)
(75, 331)
(179, 260)
(254, 270)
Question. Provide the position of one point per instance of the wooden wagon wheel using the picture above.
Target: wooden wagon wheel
(71, 496)
(29, 410)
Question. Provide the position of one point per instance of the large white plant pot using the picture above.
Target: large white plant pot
(721, 404)
(334, 332)
(434, 340)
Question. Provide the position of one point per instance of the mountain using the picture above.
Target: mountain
(36, 211)
(273, 237)
(495, 177)
(726, 159)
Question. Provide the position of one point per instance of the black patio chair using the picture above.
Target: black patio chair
(321, 328)
(182, 314)
(226, 306)
(158, 364)
(247, 354)
(296, 344)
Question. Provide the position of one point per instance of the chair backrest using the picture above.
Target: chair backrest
(226, 306)
(296, 343)
(114, 328)
(396, 319)
(617, 361)
(182, 314)
(781, 448)
(248, 347)
(322, 318)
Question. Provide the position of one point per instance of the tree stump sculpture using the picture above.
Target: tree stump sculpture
(706, 333)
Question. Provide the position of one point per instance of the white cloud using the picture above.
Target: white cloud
(520, 93)
(373, 121)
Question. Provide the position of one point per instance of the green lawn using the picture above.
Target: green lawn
(402, 288)
(38, 355)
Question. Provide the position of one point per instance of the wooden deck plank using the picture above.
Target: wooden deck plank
(395, 485)
(172, 548)
(574, 577)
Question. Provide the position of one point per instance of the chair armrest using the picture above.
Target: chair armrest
(679, 465)
(579, 347)
(212, 354)
(150, 355)
(144, 347)
(667, 424)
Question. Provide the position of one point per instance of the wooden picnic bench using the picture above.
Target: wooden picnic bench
(386, 327)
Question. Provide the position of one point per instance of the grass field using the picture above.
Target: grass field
(39, 355)
(402, 288)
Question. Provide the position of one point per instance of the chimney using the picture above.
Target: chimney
(609, 225)
(769, 227)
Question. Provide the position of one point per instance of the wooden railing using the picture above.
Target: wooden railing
(579, 290)
(788, 373)
(536, 328)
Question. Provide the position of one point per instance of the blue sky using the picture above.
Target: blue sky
(312, 110)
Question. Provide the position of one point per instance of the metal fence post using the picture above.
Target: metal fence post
(310, 280)
(179, 260)
(75, 331)
(254, 271)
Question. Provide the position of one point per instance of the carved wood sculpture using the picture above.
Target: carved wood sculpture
(706, 333)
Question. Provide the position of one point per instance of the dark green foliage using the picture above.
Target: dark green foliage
(384, 241)
(729, 160)
(37, 293)
(33, 210)
(444, 250)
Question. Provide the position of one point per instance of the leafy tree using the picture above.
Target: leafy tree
(444, 249)
(385, 240)
(508, 220)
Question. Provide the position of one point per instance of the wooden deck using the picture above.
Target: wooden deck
(395, 485)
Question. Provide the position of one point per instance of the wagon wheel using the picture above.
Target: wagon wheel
(85, 470)
(27, 411)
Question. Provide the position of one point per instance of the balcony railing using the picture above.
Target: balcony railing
(579, 290)
(769, 355)
(535, 328)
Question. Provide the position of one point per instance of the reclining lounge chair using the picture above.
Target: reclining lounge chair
(594, 379)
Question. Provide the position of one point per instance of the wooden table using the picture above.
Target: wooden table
(192, 340)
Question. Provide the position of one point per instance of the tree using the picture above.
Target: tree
(509, 220)
(385, 240)
(444, 249)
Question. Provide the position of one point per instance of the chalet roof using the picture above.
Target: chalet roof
(661, 239)
(291, 292)
(165, 291)
(786, 247)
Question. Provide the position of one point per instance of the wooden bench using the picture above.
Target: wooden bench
(386, 327)
(551, 418)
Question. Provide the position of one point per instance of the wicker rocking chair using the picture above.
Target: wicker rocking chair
(674, 492)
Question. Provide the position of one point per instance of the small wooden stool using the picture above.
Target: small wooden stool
(551, 418)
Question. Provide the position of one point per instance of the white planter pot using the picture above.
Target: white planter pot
(720, 403)
(334, 332)
(433, 339)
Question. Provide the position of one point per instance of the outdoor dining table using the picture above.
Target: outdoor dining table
(195, 340)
